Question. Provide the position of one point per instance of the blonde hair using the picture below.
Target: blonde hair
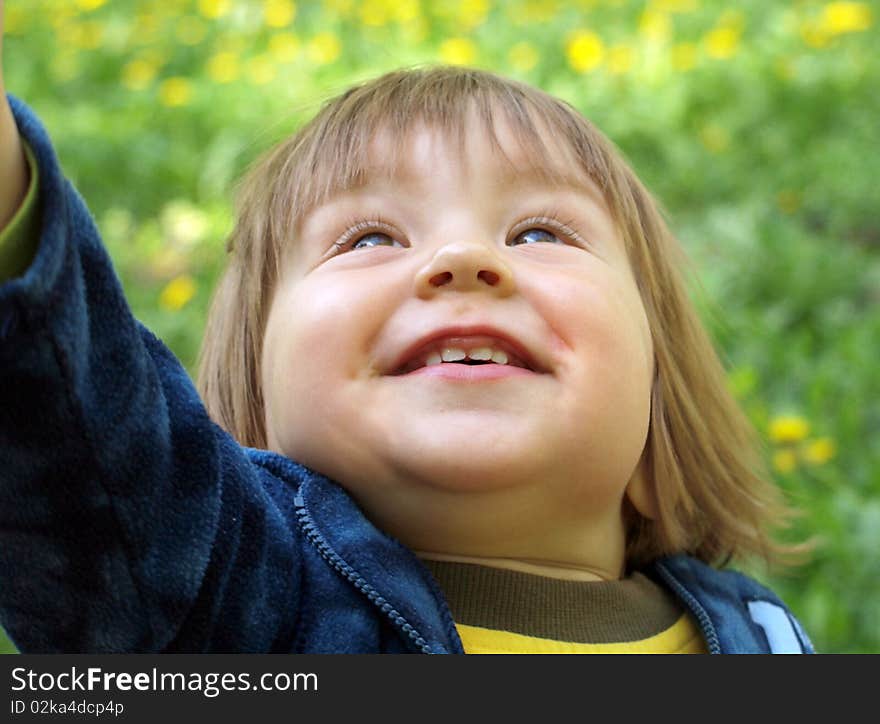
(716, 499)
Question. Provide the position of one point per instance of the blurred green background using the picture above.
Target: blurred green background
(755, 124)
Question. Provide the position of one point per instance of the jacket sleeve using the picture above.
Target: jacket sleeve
(129, 522)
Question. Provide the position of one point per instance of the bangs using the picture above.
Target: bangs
(531, 133)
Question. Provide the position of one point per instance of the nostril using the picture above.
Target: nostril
(438, 280)
(491, 278)
(442, 279)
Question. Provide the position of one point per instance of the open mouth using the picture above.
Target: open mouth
(466, 353)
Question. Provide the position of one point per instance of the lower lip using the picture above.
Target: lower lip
(470, 373)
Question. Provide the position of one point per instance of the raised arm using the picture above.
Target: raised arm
(129, 522)
(13, 168)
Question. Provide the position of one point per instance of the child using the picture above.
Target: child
(454, 398)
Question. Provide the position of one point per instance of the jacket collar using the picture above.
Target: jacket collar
(389, 574)
(731, 609)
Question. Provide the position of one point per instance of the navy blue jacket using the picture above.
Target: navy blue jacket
(130, 522)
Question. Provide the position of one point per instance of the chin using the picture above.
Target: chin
(467, 471)
(464, 451)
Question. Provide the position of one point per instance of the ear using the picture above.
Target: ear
(640, 490)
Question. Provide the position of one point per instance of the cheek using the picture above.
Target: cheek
(596, 306)
(340, 301)
(294, 353)
(313, 344)
(615, 331)
(601, 328)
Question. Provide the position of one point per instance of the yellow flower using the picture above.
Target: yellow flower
(89, 5)
(284, 47)
(406, 11)
(846, 17)
(472, 13)
(458, 51)
(819, 451)
(223, 67)
(375, 13)
(620, 59)
(684, 56)
(523, 56)
(722, 43)
(655, 26)
(178, 293)
(138, 74)
(214, 9)
(585, 51)
(175, 91)
(788, 428)
(279, 13)
(324, 48)
(784, 461)
(675, 6)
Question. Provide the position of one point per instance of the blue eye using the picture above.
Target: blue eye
(367, 234)
(372, 239)
(530, 236)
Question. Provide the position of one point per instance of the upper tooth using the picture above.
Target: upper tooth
(456, 354)
(452, 354)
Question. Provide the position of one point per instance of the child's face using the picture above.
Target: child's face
(510, 462)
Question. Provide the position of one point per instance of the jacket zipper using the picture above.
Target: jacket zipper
(696, 608)
(328, 554)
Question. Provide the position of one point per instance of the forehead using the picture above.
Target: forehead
(502, 147)
(494, 151)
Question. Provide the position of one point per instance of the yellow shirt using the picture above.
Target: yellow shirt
(683, 637)
(499, 611)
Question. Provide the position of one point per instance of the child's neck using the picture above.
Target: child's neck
(551, 569)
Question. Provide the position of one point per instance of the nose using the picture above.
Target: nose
(464, 267)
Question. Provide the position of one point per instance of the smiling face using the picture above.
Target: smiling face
(464, 251)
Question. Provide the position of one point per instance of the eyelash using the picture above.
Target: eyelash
(553, 223)
(548, 221)
(357, 229)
